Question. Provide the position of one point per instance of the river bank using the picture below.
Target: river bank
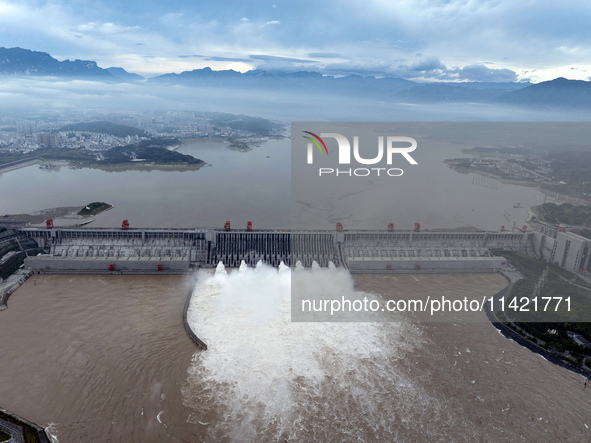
(559, 192)
(147, 167)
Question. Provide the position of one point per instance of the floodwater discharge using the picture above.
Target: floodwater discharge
(106, 358)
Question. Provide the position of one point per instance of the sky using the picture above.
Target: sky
(425, 40)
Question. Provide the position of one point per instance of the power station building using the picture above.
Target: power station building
(571, 252)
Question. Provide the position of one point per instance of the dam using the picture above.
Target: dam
(86, 250)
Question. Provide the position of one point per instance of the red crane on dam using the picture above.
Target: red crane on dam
(227, 226)
(390, 227)
(49, 223)
(417, 227)
(125, 225)
(249, 226)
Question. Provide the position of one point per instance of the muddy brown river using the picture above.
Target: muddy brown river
(106, 358)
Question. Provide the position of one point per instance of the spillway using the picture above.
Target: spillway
(178, 250)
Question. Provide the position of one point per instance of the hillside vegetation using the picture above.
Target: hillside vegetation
(103, 127)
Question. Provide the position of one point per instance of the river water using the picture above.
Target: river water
(237, 186)
(106, 358)
(257, 186)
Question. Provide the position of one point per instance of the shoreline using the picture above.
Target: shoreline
(511, 181)
(508, 181)
(147, 167)
(13, 166)
(40, 216)
(511, 334)
(96, 213)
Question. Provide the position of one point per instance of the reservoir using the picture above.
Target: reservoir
(256, 186)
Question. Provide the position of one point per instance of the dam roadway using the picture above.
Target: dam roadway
(86, 250)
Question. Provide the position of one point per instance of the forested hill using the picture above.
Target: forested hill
(104, 127)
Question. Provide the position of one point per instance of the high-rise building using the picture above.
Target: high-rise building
(48, 140)
(26, 128)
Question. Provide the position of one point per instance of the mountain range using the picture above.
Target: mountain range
(559, 92)
(24, 62)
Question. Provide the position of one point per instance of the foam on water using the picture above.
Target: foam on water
(264, 377)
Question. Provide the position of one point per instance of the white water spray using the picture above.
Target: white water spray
(266, 378)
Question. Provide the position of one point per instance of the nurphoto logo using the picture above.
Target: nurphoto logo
(394, 145)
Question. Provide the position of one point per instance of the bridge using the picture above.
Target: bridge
(71, 250)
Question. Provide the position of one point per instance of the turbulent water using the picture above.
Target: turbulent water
(266, 378)
(106, 358)
(272, 379)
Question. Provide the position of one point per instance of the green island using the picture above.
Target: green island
(94, 208)
(555, 281)
(236, 143)
(148, 151)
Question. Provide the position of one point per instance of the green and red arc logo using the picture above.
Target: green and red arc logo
(315, 142)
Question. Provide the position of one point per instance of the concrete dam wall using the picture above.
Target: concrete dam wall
(178, 250)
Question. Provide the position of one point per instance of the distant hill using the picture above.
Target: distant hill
(18, 61)
(207, 76)
(501, 86)
(196, 74)
(558, 92)
(124, 75)
(300, 81)
(386, 88)
(447, 93)
(473, 92)
(103, 127)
